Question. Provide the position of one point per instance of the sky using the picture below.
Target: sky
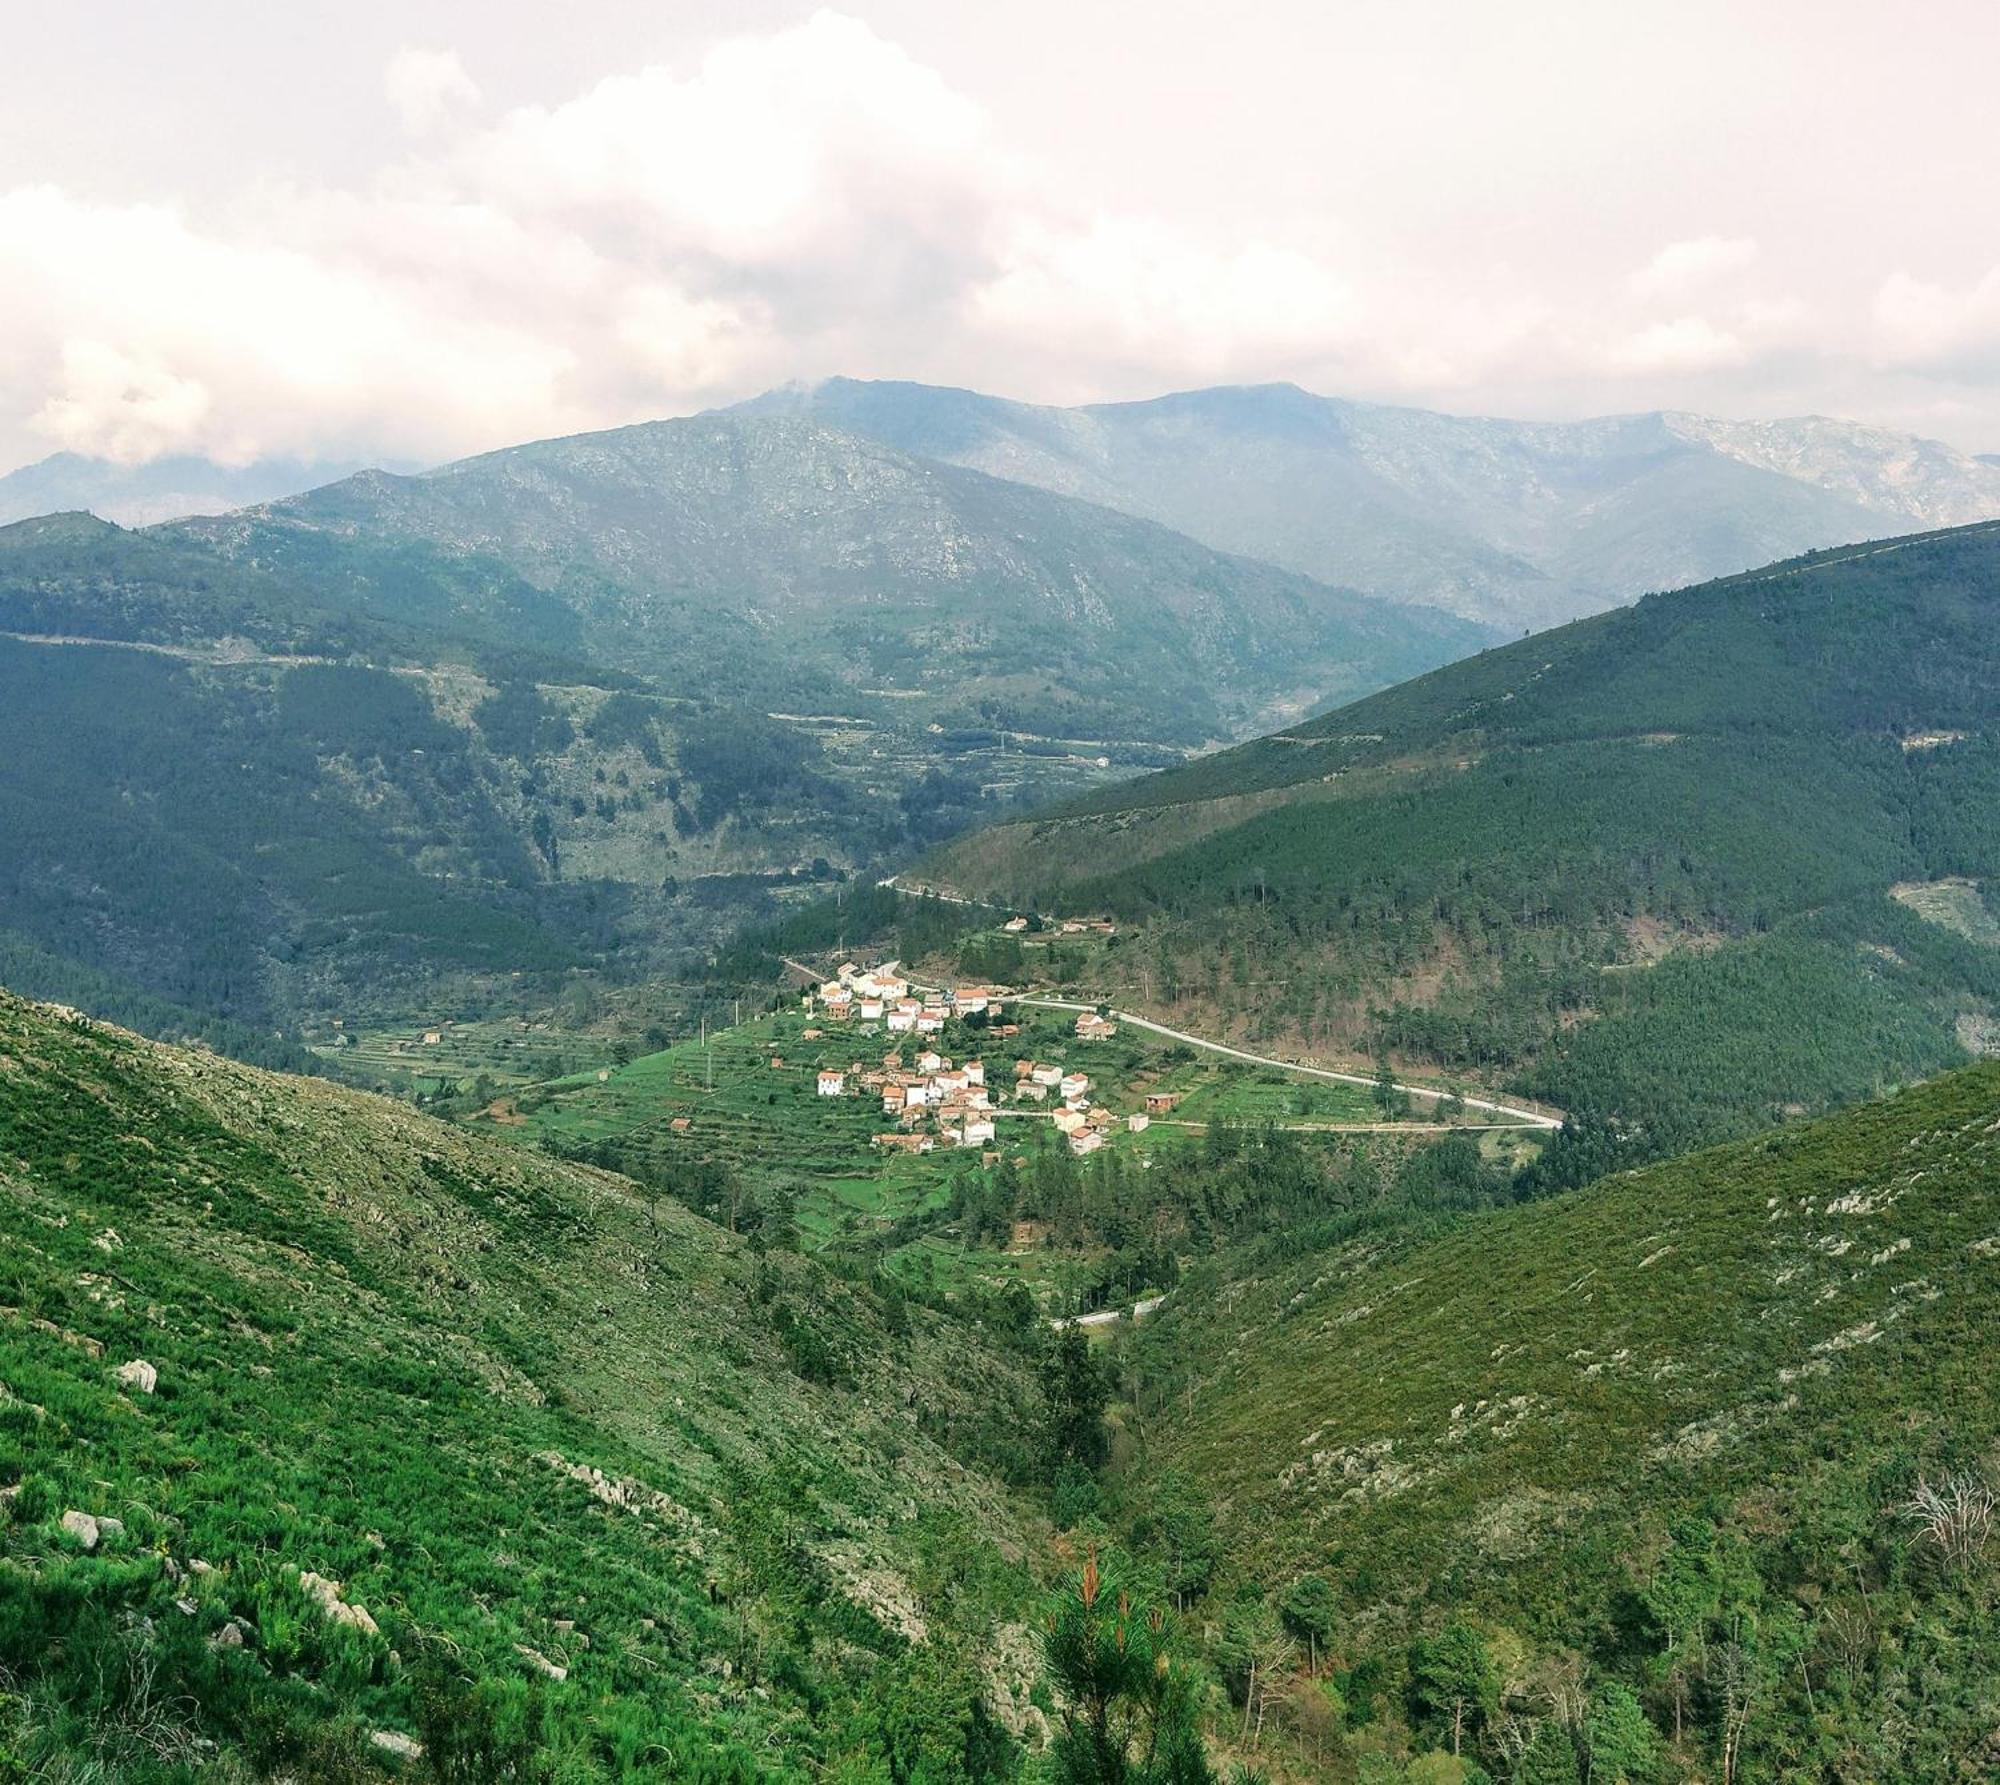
(413, 229)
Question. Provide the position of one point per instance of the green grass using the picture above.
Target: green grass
(372, 1331)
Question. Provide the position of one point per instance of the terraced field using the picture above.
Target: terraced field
(747, 1098)
(505, 1051)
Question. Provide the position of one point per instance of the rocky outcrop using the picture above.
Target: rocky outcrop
(327, 1596)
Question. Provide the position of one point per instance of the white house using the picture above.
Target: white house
(978, 1131)
(832, 1084)
(1138, 1124)
(916, 1096)
(1086, 1142)
(975, 1072)
(1073, 1085)
(1070, 1121)
(1047, 1075)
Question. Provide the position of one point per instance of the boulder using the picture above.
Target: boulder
(394, 1741)
(541, 1663)
(139, 1376)
(82, 1527)
(326, 1595)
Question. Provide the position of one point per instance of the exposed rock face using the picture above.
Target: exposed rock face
(394, 1741)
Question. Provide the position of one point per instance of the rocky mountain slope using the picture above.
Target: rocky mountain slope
(327, 1431)
(1514, 523)
(776, 559)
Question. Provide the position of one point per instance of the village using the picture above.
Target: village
(936, 1101)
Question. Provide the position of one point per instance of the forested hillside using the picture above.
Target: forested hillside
(233, 798)
(330, 1436)
(1642, 866)
(1678, 1477)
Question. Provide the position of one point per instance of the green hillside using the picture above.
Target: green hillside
(608, 1491)
(1657, 1437)
(1640, 866)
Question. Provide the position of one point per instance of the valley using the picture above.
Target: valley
(836, 1182)
(951, 895)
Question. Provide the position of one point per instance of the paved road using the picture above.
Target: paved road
(1527, 1118)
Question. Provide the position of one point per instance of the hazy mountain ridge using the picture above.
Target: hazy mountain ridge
(162, 489)
(1510, 521)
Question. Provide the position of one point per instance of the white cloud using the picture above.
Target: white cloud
(807, 201)
(1681, 269)
(1686, 344)
(427, 87)
(1942, 332)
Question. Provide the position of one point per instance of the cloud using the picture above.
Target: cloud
(1686, 344)
(1681, 269)
(1938, 331)
(427, 87)
(144, 335)
(791, 204)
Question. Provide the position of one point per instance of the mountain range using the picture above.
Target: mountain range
(653, 1423)
(624, 688)
(162, 489)
(1514, 523)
